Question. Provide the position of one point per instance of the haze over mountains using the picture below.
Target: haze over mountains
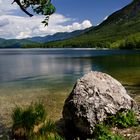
(122, 28)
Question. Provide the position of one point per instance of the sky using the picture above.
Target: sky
(70, 15)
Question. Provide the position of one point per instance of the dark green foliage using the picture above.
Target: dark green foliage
(13, 43)
(24, 120)
(117, 31)
(101, 132)
(30, 123)
(44, 7)
(30, 116)
(48, 127)
(17, 116)
(130, 43)
(122, 119)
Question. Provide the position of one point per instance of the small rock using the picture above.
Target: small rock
(128, 135)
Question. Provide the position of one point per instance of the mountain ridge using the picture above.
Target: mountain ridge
(17, 43)
(120, 30)
(57, 36)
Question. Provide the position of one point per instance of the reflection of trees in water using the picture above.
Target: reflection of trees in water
(65, 66)
(122, 67)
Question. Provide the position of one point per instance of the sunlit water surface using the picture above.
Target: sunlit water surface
(31, 75)
(58, 69)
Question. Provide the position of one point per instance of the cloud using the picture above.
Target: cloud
(12, 26)
(6, 7)
(4, 22)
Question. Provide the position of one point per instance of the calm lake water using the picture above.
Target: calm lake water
(58, 69)
(48, 75)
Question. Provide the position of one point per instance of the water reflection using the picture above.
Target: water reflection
(64, 66)
(20, 67)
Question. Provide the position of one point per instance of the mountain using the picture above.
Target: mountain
(58, 36)
(1, 39)
(37, 41)
(7, 44)
(120, 29)
(13, 43)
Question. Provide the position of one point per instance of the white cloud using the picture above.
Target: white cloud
(6, 6)
(4, 22)
(22, 27)
(86, 24)
(12, 25)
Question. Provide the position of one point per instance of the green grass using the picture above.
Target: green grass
(24, 120)
(28, 117)
(102, 132)
(30, 123)
(122, 119)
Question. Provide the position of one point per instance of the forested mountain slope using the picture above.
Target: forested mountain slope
(120, 29)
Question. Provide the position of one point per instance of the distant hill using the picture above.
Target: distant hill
(57, 36)
(13, 43)
(7, 44)
(120, 29)
(17, 43)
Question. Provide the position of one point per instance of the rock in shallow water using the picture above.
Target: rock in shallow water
(95, 96)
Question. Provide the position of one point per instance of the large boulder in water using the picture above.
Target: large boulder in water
(95, 96)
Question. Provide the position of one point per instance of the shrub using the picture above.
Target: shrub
(122, 119)
(30, 124)
(24, 120)
(48, 127)
(101, 132)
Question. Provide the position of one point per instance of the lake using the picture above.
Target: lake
(26, 73)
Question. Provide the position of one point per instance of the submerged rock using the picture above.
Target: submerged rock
(95, 96)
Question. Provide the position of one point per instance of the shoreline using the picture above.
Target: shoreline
(53, 100)
(54, 104)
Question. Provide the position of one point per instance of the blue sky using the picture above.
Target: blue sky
(93, 10)
(70, 15)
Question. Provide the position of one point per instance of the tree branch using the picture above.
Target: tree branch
(22, 8)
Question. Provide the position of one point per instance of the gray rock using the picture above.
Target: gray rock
(95, 96)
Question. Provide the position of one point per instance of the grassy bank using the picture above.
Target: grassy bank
(11, 96)
(53, 102)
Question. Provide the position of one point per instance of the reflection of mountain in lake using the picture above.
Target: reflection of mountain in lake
(66, 65)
